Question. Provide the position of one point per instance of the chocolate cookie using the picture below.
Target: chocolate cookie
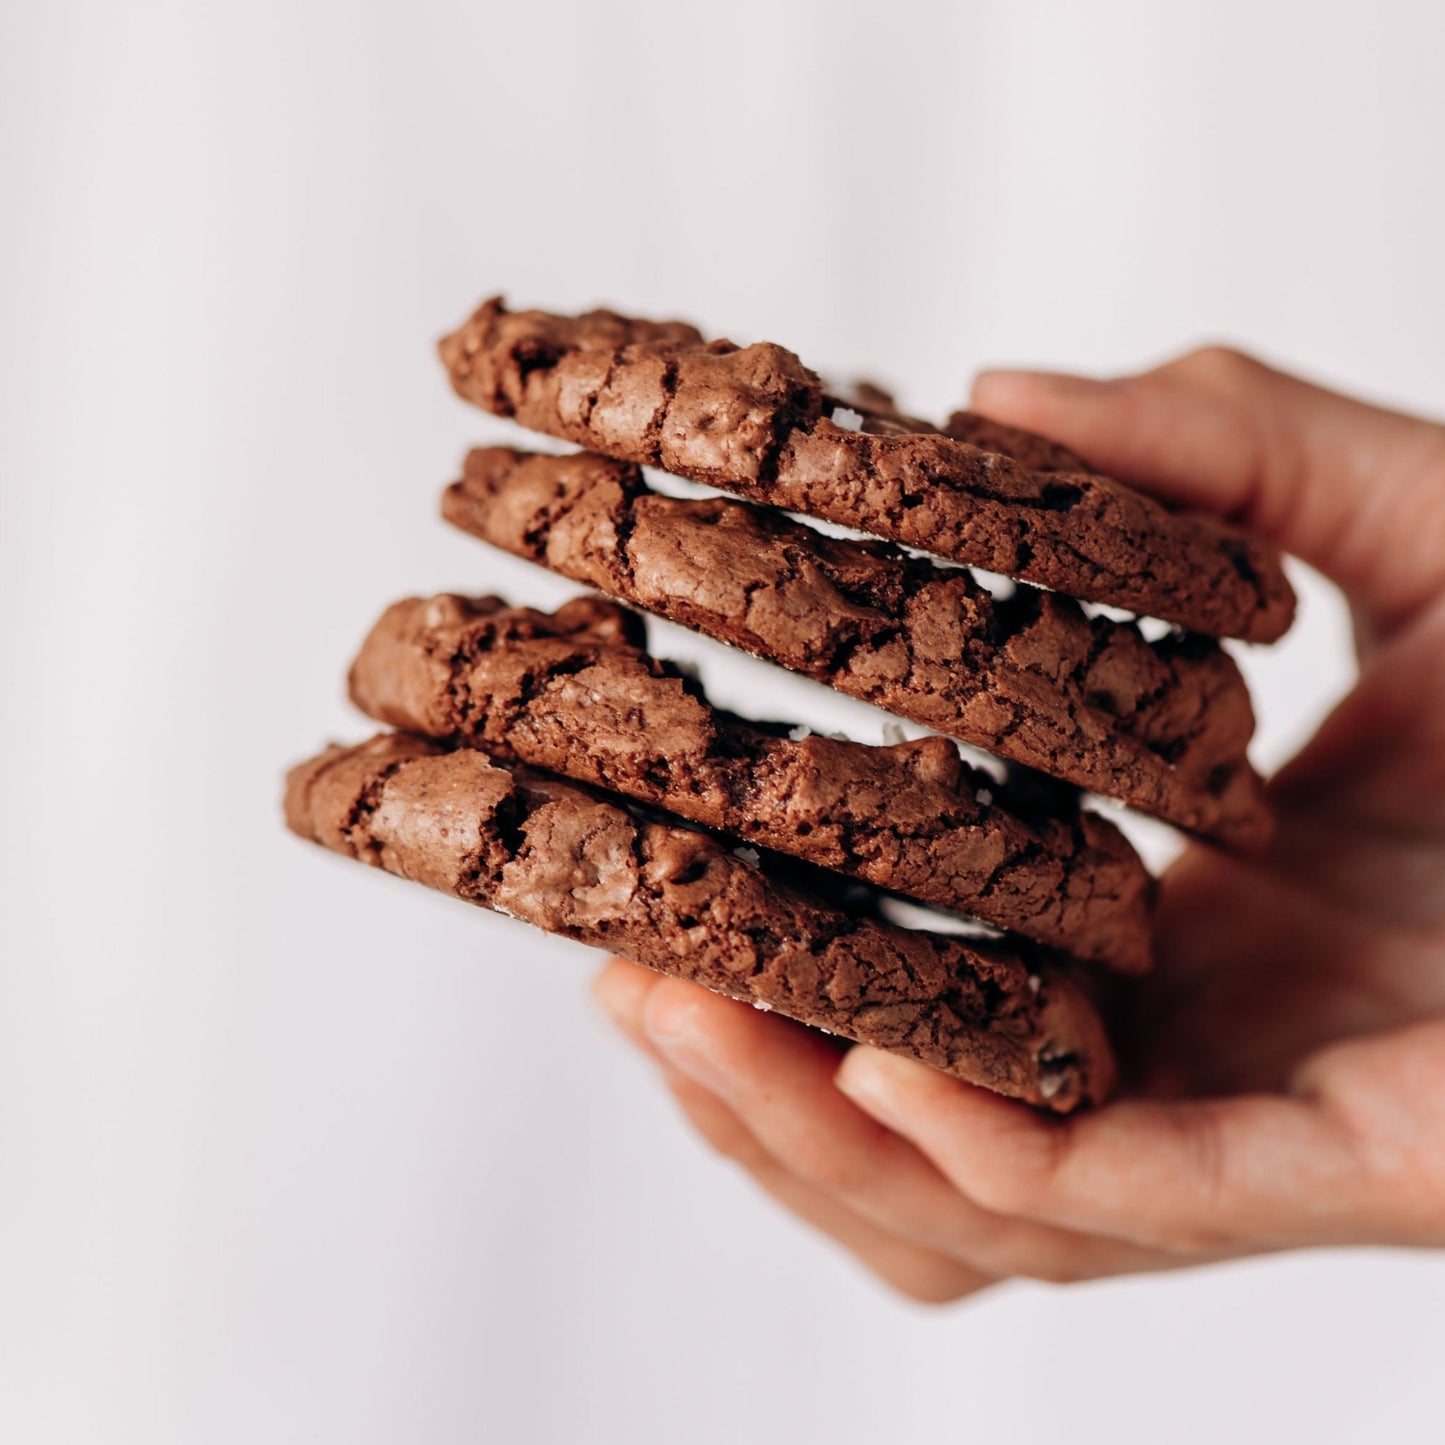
(1036, 453)
(559, 857)
(757, 422)
(1162, 726)
(877, 413)
(573, 692)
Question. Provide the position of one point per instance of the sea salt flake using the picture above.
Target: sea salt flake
(847, 418)
(800, 732)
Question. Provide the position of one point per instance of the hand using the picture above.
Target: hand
(1290, 1048)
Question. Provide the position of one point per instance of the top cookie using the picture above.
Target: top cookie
(755, 421)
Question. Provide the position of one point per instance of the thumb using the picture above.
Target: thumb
(1355, 490)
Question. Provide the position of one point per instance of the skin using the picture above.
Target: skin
(1288, 1055)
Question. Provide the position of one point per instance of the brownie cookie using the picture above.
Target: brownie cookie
(571, 863)
(1037, 453)
(1163, 726)
(877, 413)
(755, 421)
(569, 692)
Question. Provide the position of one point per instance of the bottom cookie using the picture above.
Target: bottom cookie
(565, 859)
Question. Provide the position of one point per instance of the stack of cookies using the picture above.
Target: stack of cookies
(547, 766)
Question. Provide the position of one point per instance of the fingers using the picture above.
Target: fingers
(920, 1274)
(1355, 490)
(778, 1081)
(1388, 1090)
(622, 989)
(1256, 1172)
(1351, 1154)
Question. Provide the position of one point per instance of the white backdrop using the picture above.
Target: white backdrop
(290, 1152)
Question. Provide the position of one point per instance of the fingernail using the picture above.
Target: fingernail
(870, 1078)
(686, 1050)
(620, 1005)
(610, 1002)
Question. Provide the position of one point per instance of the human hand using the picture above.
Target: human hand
(1289, 1051)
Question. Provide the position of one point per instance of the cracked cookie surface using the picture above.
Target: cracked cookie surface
(1162, 726)
(573, 691)
(756, 421)
(557, 856)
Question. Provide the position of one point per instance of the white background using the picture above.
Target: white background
(291, 1152)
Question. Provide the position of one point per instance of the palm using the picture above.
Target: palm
(1328, 935)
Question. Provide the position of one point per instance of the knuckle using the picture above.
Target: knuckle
(838, 1171)
(1007, 1192)
(1021, 1251)
(1224, 365)
(1202, 1136)
(932, 1287)
(929, 1296)
(1058, 1271)
(1019, 1180)
(730, 1144)
(1190, 1241)
(1394, 1149)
